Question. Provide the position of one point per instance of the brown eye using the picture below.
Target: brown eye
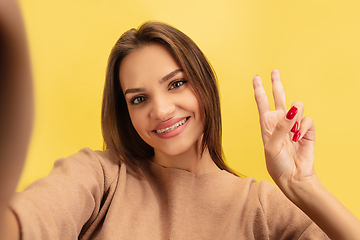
(177, 84)
(137, 100)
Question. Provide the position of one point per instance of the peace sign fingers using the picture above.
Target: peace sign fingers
(268, 118)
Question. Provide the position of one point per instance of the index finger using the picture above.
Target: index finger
(260, 96)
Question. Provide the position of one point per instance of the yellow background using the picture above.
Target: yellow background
(315, 44)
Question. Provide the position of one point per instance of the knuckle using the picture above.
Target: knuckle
(270, 151)
(309, 122)
(298, 104)
(267, 149)
(260, 94)
(279, 127)
(278, 90)
(308, 119)
(259, 98)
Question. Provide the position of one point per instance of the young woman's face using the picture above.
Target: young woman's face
(162, 105)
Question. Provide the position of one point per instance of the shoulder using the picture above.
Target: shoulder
(99, 163)
(262, 195)
(266, 194)
(249, 186)
(92, 159)
(263, 190)
(283, 217)
(280, 216)
(86, 168)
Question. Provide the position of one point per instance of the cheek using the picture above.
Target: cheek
(195, 103)
(192, 104)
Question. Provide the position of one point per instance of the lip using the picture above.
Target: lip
(169, 123)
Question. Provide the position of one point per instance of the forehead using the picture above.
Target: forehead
(148, 64)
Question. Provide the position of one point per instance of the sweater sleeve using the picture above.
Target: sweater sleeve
(66, 202)
(284, 219)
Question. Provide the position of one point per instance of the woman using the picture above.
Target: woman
(162, 175)
(189, 62)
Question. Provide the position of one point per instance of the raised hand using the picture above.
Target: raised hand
(16, 105)
(288, 137)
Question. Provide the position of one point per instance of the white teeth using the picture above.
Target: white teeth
(173, 127)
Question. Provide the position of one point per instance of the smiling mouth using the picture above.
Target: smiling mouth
(173, 127)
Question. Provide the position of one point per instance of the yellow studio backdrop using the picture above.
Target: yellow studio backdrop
(314, 44)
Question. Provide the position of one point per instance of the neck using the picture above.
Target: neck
(192, 161)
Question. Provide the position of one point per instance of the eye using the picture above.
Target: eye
(177, 84)
(137, 100)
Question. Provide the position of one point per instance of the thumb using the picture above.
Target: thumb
(282, 128)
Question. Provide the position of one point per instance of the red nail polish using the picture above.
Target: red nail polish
(296, 136)
(292, 112)
(295, 127)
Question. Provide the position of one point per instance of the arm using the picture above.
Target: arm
(289, 152)
(16, 109)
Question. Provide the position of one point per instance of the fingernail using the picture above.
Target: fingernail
(292, 112)
(296, 136)
(295, 127)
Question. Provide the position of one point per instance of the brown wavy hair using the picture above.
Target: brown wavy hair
(120, 137)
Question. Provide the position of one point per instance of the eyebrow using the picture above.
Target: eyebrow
(164, 79)
(134, 90)
(170, 75)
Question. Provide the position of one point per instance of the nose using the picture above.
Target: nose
(162, 108)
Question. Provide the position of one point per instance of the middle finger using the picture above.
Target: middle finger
(278, 90)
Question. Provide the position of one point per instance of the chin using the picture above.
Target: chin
(178, 149)
(171, 151)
